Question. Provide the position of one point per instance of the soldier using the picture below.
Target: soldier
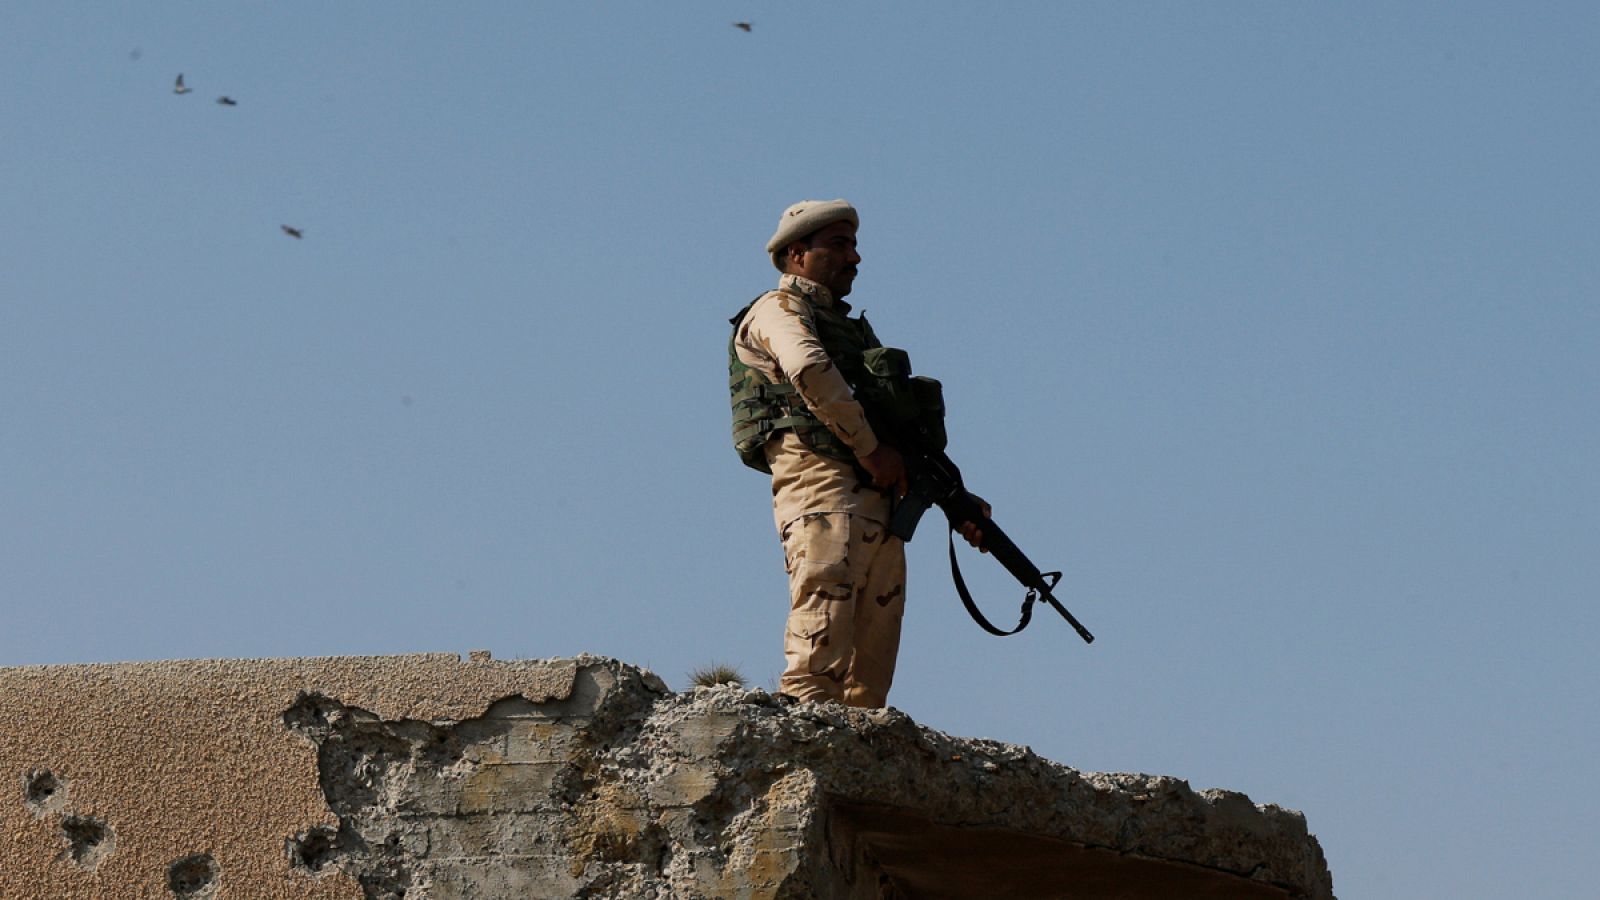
(793, 356)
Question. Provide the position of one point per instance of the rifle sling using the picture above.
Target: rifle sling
(972, 608)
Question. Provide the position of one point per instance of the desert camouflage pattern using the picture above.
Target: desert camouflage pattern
(847, 574)
(805, 482)
(800, 335)
(791, 330)
(847, 598)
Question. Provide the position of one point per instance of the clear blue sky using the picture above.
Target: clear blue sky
(1274, 325)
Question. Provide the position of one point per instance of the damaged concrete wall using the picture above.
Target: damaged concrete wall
(429, 777)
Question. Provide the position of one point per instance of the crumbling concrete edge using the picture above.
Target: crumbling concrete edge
(882, 757)
(387, 782)
(723, 790)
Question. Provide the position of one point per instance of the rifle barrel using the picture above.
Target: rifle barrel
(1008, 554)
(1076, 625)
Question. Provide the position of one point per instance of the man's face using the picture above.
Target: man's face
(829, 258)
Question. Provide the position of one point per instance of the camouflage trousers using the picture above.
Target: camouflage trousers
(847, 595)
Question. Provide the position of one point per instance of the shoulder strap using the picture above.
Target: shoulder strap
(739, 316)
(972, 608)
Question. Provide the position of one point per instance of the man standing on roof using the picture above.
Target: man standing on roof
(793, 358)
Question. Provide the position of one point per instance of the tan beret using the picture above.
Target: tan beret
(805, 217)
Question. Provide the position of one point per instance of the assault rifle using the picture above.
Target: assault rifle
(908, 412)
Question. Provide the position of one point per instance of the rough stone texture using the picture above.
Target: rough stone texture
(181, 759)
(429, 777)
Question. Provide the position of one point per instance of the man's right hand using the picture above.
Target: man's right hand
(888, 470)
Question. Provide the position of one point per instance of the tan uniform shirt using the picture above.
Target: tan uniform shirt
(775, 340)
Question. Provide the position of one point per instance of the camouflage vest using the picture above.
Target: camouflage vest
(762, 408)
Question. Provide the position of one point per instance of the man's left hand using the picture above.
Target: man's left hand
(973, 531)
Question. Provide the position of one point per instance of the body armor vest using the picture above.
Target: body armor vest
(762, 408)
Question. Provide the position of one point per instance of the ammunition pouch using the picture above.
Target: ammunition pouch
(905, 409)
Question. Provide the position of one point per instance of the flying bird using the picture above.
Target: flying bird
(742, 26)
(227, 101)
(178, 88)
(291, 232)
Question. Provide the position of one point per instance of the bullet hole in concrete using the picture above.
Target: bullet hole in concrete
(43, 793)
(388, 880)
(315, 850)
(440, 748)
(89, 840)
(366, 766)
(194, 877)
(313, 715)
(380, 868)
